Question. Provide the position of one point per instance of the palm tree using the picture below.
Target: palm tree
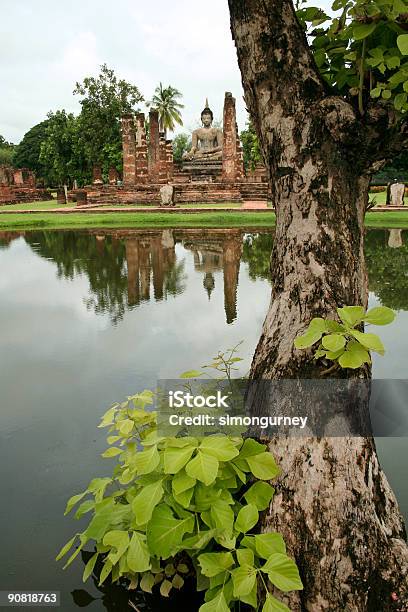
(165, 101)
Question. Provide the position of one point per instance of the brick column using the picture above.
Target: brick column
(169, 160)
(154, 147)
(162, 159)
(129, 152)
(141, 156)
(232, 161)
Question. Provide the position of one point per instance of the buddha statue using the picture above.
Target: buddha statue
(207, 141)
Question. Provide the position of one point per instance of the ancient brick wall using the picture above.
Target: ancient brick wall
(129, 150)
(141, 153)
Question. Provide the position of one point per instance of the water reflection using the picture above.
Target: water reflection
(158, 302)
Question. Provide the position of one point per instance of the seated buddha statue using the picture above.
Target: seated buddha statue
(207, 141)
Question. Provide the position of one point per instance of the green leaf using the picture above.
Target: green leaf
(219, 447)
(376, 92)
(108, 417)
(363, 30)
(145, 502)
(165, 588)
(380, 315)
(113, 451)
(165, 532)
(282, 572)
(191, 374)
(85, 507)
(334, 342)
(274, 605)
(182, 482)
(89, 567)
(250, 448)
(176, 458)
(66, 548)
(370, 341)
(73, 500)
(215, 563)
(138, 556)
(268, 543)
(247, 518)
(244, 579)
(223, 517)
(203, 467)
(351, 315)
(147, 582)
(218, 604)
(106, 570)
(263, 466)
(308, 339)
(146, 461)
(126, 426)
(245, 556)
(260, 494)
(402, 42)
(116, 539)
(354, 356)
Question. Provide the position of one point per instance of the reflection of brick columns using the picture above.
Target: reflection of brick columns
(154, 146)
(141, 150)
(144, 260)
(100, 244)
(232, 251)
(232, 159)
(132, 261)
(157, 267)
(169, 251)
(129, 150)
(395, 238)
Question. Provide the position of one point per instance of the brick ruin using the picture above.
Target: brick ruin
(148, 164)
(19, 185)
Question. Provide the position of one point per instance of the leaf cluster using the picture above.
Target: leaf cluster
(341, 342)
(178, 506)
(362, 52)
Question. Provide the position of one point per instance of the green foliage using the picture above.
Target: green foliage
(181, 144)
(27, 154)
(250, 147)
(62, 151)
(7, 150)
(341, 342)
(105, 99)
(362, 52)
(182, 506)
(165, 100)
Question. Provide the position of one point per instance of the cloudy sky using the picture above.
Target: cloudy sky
(46, 46)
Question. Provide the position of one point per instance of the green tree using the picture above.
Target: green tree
(105, 99)
(165, 100)
(250, 147)
(62, 150)
(181, 144)
(328, 100)
(27, 153)
(7, 150)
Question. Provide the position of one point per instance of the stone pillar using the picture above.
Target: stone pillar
(154, 147)
(97, 175)
(232, 251)
(132, 262)
(395, 238)
(141, 158)
(129, 150)
(232, 160)
(113, 176)
(81, 197)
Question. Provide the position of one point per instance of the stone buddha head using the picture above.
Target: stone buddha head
(207, 116)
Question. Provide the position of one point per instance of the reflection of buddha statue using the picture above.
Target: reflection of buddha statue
(207, 141)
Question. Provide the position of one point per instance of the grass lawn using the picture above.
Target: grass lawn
(50, 204)
(379, 197)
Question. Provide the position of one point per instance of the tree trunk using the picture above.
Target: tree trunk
(333, 504)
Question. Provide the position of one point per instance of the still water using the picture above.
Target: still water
(87, 318)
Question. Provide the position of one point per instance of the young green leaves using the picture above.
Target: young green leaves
(340, 342)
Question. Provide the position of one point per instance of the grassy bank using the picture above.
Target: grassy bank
(15, 221)
(114, 220)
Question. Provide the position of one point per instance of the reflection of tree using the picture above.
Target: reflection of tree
(119, 271)
(103, 264)
(387, 269)
(257, 253)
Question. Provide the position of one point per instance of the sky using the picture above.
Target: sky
(46, 46)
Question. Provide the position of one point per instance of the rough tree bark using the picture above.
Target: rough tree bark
(333, 504)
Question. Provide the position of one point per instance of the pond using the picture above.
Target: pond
(89, 317)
